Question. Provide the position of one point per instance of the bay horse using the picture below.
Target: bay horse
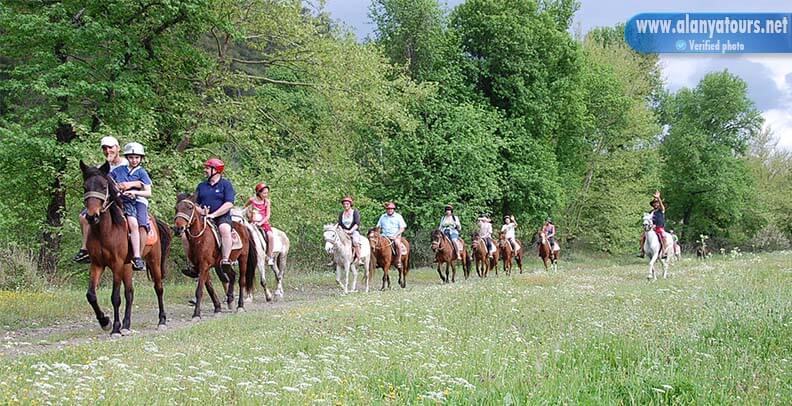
(339, 244)
(204, 253)
(479, 250)
(108, 246)
(382, 257)
(508, 253)
(548, 254)
(443, 248)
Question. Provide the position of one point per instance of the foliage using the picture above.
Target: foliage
(708, 185)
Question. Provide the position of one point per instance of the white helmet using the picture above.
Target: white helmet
(134, 148)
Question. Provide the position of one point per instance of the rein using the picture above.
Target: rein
(190, 219)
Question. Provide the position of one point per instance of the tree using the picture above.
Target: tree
(707, 183)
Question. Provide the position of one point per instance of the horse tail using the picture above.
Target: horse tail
(252, 262)
(165, 238)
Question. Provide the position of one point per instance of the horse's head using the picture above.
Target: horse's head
(647, 221)
(186, 210)
(503, 242)
(475, 238)
(99, 191)
(437, 238)
(330, 235)
(373, 236)
(541, 237)
(253, 215)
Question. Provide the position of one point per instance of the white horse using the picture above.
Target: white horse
(652, 247)
(339, 244)
(280, 252)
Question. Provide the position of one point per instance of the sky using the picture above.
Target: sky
(769, 76)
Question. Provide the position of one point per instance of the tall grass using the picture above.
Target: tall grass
(717, 332)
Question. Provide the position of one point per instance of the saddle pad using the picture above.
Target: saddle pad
(403, 249)
(236, 242)
(556, 247)
(153, 234)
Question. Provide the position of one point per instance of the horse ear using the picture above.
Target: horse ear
(105, 168)
(84, 169)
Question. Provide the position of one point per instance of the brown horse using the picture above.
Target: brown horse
(483, 263)
(548, 254)
(204, 253)
(382, 255)
(108, 246)
(444, 254)
(507, 254)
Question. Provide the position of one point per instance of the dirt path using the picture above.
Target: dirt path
(69, 333)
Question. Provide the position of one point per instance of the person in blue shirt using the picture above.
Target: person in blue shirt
(135, 185)
(392, 225)
(217, 194)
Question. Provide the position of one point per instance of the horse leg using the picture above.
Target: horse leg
(453, 272)
(354, 276)
(156, 273)
(519, 263)
(230, 290)
(199, 288)
(115, 298)
(338, 277)
(439, 272)
(263, 280)
(279, 271)
(95, 273)
(129, 297)
(242, 282)
(218, 307)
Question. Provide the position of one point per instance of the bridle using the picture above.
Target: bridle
(102, 197)
(438, 243)
(189, 219)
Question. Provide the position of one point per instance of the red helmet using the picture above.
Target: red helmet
(215, 164)
(261, 186)
(347, 199)
(390, 205)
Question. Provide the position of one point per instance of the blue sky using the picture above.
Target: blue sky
(769, 76)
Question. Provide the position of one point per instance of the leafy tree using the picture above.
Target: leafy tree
(707, 183)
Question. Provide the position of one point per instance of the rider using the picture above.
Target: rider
(217, 194)
(128, 178)
(110, 149)
(349, 221)
(485, 232)
(392, 225)
(550, 231)
(509, 224)
(450, 226)
(262, 204)
(658, 219)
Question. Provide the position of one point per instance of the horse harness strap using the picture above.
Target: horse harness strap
(104, 198)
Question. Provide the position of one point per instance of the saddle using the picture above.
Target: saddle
(393, 248)
(236, 242)
(153, 234)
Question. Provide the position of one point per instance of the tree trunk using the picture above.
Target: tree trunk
(51, 238)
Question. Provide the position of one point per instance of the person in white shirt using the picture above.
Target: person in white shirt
(509, 224)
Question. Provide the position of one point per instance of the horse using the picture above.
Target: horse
(652, 247)
(507, 254)
(443, 248)
(108, 246)
(204, 253)
(339, 244)
(382, 254)
(280, 250)
(548, 254)
(479, 249)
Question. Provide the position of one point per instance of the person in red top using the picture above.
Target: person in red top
(261, 203)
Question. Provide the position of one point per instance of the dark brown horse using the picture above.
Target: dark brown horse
(204, 253)
(483, 263)
(507, 254)
(444, 254)
(108, 246)
(383, 257)
(548, 254)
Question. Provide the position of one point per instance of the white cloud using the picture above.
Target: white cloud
(780, 122)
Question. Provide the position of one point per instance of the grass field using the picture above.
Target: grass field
(594, 333)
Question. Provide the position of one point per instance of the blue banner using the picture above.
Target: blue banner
(710, 33)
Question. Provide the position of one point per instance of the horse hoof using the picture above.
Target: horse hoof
(162, 327)
(115, 335)
(196, 319)
(240, 310)
(191, 302)
(106, 327)
(126, 332)
(249, 300)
